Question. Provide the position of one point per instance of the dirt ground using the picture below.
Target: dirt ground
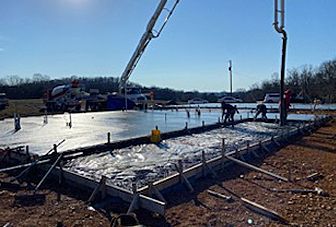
(20, 207)
(312, 154)
(315, 153)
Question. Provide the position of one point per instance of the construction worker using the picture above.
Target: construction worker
(229, 111)
(261, 109)
(233, 111)
(188, 113)
(287, 98)
(198, 111)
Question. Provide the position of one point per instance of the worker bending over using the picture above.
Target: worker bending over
(261, 109)
(229, 111)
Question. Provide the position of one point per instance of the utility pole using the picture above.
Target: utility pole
(230, 71)
(281, 30)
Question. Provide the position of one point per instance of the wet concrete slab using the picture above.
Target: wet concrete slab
(92, 128)
(149, 162)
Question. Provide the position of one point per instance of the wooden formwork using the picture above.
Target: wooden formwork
(215, 164)
(127, 196)
(190, 175)
(139, 199)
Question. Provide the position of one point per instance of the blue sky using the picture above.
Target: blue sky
(97, 37)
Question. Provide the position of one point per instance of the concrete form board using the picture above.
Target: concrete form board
(113, 191)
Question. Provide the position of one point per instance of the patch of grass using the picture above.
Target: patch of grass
(24, 107)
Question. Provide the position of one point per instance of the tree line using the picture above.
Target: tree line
(306, 82)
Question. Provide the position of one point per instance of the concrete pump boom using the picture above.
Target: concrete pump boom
(145, 39)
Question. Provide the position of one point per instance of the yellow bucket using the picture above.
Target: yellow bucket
(156, 136)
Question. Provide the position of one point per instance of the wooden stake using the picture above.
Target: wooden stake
(49, 171)
(60, 179)
(156, 192)
(101, 187)
(206, 168)
(265, 211)
(247, 165)
(265, 148)
(135, 202)
(183, 179)
(219, 195)
(23, 166)
(276, 142)
(34, 163)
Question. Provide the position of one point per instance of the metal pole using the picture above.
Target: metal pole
(283, 110)
(125, 87)
(281, 30)
(230, 71)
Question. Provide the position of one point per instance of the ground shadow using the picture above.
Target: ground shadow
(317, 147)
(29, 200)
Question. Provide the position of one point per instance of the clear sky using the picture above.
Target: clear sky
(97, 37)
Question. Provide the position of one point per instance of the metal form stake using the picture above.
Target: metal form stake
(27, 150)
(27, 154)
(281, 30)
(108, 137)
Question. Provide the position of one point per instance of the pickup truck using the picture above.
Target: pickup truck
(3, 101)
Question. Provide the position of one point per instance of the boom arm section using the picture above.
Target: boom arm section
(145, 40)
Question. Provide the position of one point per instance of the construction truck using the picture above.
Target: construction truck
(65, 97)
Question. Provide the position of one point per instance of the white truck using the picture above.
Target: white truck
(272, 98)
(64, 97)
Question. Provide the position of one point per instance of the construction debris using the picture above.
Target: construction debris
(316, 191)
(221, 196)
(314, 177)
(263, 210)
(247, 165)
